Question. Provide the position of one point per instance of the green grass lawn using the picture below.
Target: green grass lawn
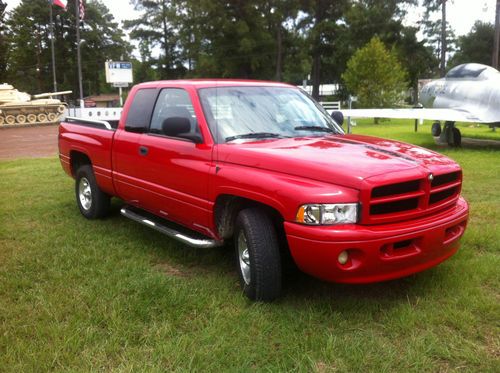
(403, 129)
(80, 295)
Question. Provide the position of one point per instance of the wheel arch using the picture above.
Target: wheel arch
(78, 159)
(227, 207)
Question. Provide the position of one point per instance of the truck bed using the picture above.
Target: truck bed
(80, 137)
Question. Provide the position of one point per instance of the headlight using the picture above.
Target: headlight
(328, 214)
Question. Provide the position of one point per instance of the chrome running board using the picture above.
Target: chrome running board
(150, 222)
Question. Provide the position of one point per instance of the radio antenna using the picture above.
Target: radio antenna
(216, 124)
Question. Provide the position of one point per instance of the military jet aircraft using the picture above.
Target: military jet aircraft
(468, 93)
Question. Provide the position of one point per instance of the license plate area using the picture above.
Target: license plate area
(400, 249)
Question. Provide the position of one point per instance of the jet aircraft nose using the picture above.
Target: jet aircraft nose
(428, 94)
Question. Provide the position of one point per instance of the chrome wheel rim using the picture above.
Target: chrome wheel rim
(85, 193)
(244, 257)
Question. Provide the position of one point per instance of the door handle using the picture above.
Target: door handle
(143, 150)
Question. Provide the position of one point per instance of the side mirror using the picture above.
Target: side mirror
(194, 137)
(180, 127)
(338, 117)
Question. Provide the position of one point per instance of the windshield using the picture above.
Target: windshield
(263, 112)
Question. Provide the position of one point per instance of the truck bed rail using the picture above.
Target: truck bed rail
(90, 123)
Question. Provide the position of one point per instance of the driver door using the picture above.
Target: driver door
(175, 170)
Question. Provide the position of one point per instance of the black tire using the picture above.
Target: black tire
(98, 204)
(457, 137)
(263, 261)
(436, 129)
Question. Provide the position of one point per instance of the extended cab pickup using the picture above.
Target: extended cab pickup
(262, 164)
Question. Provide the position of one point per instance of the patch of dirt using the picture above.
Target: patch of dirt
(180, 271)
(28, 142)
(480, 142)
(493, 345)
(170, 270)
(468, 142)
(321, 367)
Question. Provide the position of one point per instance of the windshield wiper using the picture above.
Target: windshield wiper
(314, 128)
(253, 135)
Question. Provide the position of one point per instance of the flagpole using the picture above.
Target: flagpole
(78, 55)
(52, 47)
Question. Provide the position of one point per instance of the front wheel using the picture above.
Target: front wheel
(92, 201)
(258, 255)
(436, 129)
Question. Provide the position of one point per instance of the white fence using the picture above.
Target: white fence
(105, 113)
(330, 105)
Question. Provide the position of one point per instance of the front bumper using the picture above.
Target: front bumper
(378, 252)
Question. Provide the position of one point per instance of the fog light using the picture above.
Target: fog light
(343, 257)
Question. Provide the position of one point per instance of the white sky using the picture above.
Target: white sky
(460, 13)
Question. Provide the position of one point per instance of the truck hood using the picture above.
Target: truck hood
(338, 159)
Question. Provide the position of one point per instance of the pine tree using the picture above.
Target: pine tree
(375, 76)
(475, 46)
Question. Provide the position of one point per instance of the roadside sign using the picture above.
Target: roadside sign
(89, 103)
(118, 72)
(120, 85)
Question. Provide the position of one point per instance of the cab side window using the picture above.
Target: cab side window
(173, 114)
(140, 111)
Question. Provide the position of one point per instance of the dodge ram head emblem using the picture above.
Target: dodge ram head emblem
(431, 177)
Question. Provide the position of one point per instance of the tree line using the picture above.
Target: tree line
(284, 40)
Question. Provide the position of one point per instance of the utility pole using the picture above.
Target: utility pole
(443, 38)
(78, 55)
(496, 41)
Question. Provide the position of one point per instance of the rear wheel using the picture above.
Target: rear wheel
(258, 255)
(457, 137)
(92, 201)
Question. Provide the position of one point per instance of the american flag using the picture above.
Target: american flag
(82, 10)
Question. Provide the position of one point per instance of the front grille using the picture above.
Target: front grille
(409, 199)
(439, 196)
(445, 187)
(445, 178)
(392, 207)
(399, 188)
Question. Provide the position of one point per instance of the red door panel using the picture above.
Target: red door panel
(176, 172)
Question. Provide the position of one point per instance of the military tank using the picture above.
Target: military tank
(21, 108)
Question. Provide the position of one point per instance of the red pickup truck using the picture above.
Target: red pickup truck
(263, 165)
